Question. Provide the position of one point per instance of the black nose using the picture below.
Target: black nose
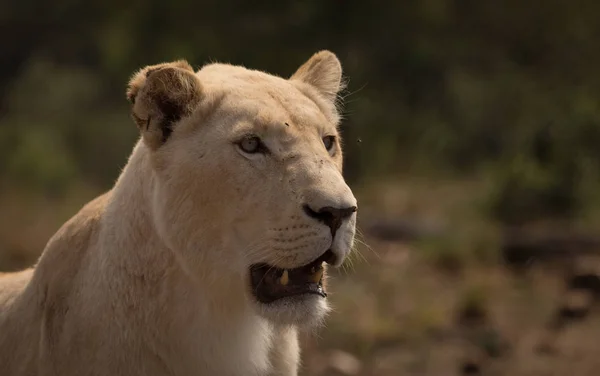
(332, 217)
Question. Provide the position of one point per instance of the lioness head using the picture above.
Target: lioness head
(247, 173)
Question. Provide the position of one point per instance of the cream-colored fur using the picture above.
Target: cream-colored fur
(151, 278)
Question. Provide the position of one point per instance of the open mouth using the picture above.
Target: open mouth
(270, 283)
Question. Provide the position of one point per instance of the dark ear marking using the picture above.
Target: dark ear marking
(161, 96)
(172, 113)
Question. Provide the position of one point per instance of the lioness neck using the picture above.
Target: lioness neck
(179, 313)
(111, 291)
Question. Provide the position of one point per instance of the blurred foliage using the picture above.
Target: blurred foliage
(436, 86)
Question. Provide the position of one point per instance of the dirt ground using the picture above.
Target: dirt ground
(397, 315)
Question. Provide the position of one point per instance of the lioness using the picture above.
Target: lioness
(208, 254)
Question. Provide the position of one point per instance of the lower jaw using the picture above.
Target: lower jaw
(304, 311)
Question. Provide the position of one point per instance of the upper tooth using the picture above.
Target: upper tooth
(317, 276)
(315, 268)
(284, 278)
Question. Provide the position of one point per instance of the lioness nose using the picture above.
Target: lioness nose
(332, 217)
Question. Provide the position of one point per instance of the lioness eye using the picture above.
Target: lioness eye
(251, 145)
(329, 142)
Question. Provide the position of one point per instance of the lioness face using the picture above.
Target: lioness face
(251, 164)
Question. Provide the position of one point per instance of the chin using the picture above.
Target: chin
(307, 310)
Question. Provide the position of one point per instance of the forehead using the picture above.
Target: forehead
(264, 99)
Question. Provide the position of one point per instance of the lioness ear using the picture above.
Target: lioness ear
(161, 95)
(322, 71)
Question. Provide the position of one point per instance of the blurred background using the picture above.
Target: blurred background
(471, 137)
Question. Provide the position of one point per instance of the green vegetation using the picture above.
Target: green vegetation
(442, 87)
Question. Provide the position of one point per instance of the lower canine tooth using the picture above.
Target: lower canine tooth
(317, 276)
(284, 278)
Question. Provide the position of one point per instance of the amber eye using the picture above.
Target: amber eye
(329, 142)
(252, 145)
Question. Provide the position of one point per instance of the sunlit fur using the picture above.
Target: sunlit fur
(151, 278)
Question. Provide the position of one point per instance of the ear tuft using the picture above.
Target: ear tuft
(323, 71)
(161, 95)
